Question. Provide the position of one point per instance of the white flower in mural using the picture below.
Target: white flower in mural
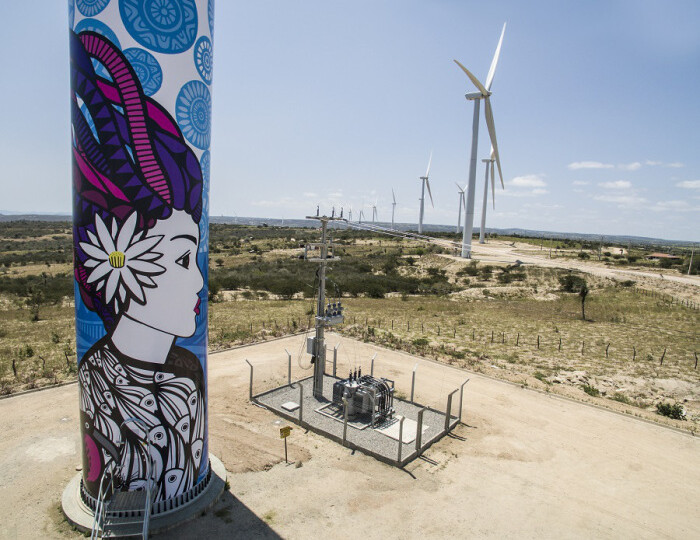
(121, 261)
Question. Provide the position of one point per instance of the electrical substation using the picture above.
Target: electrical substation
(361, 411)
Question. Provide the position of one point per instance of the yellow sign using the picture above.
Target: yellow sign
(285, 431)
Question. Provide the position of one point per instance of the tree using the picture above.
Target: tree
(583, 292)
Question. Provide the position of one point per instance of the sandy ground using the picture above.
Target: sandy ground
(670, 282)
(525, 464)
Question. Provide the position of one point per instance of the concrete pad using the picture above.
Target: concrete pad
(391, 427)
(290, 406)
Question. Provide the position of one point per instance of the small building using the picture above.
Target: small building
(659, 256)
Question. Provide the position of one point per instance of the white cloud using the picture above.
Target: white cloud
(539, 191)
(689, 184)
(528, 180)
(675, 206)
(673, 165)
(623, 201)
(589, 165)
(617, 184)
(630, 166)
(580, 183)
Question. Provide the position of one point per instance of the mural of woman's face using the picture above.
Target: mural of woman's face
(172, 305)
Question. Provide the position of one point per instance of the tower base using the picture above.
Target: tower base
(81, 516)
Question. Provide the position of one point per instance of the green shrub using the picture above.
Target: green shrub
(675, 411)
(591, 390)
(420, 342)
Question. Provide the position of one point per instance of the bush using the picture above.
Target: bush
(420, 342)
(628, 283)
(675, 411)
(583, 255)
(591, 390)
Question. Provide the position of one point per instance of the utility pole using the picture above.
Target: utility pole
(324, 316)
(692, 253)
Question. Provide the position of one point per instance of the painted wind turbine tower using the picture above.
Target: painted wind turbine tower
(483, 93)
(489, 162)
(425, 182)
(393, 207)
(140, 135)
(460, 193)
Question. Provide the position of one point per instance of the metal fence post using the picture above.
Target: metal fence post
(289, 367)
(301, 403)
(371, 369)
(419, 429)
(250, 389)
(401, 437)
(461, 396)
(335, 358)
(413, 381)
(449, 408)
(345, 420)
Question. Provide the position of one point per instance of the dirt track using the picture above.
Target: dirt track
(526, 465)
(669, 281)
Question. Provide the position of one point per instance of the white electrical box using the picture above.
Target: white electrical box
(310, 342)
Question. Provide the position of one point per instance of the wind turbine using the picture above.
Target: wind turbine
(460, 192)
(425, 182)
(484, 92)
(489, 163)
(374, 212)
(350, 213)
(393, 207)
(362, 215)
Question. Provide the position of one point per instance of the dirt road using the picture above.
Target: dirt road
(525, 465)
(506, 253)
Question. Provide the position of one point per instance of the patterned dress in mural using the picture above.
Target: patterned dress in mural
(169, 400)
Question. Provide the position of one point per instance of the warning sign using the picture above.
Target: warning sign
(285, 431)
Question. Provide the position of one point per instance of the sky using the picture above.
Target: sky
(330, 103)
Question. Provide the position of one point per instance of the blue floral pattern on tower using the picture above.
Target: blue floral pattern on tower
(193, 112)
(71, 13)
(147, 69)
(165, 26)
(90, 8)
(203, 59)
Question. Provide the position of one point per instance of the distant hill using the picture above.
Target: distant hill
(299, 223)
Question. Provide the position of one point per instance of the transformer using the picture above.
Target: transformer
(368, 397)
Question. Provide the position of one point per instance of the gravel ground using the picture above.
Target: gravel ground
(369, 440)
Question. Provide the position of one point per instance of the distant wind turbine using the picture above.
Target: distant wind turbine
(362, 215)
(393, 207)
(425, 182)
(484, 93)
(460, 192)
(374, 212)
(489, 164)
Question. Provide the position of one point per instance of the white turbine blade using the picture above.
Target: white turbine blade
(393, 195)
(430, 160)
(473, 79)
(492, 133)
(427, 184)
(494, 62)
(493, 174)
(459, 188)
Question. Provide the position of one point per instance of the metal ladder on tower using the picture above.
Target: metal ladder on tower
(124, 513)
